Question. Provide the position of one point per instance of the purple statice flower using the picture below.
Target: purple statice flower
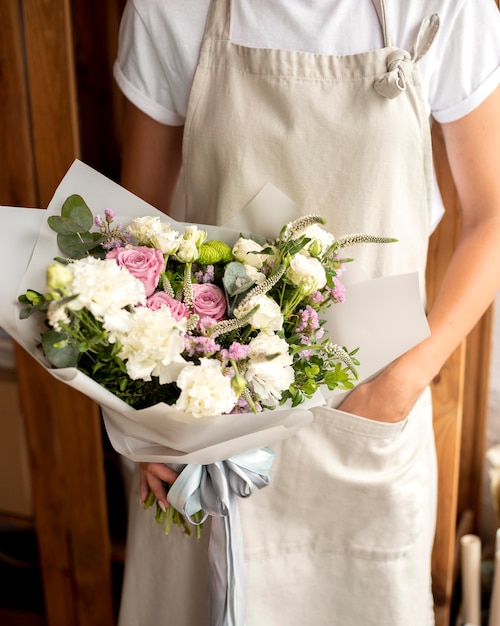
(205, 323)
(242, 406)
(205, 276)
(120, 241)
(306, 354)
(200, 346)
(309, 321)
(110, 214)
(317, 297)
(337, 294)
(238, 351)
(98, 221)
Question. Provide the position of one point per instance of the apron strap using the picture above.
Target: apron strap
(380, 9)
(218, 24)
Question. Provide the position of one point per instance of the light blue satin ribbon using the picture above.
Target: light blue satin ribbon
(215, 488)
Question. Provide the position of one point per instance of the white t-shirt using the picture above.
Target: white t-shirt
(160, 42)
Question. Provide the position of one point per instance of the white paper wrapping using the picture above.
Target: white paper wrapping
(384, 316)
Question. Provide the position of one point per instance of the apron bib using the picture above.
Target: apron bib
(343, 536)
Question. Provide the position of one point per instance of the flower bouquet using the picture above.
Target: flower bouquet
(202, 345)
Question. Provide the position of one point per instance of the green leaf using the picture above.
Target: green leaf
(77, 246)
(65, 226)
(60, 349)
(75, 208)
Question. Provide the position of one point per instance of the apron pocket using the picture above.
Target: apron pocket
(347, 485)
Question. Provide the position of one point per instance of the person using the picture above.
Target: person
(333, 105)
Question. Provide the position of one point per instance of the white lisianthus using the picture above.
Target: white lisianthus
(167, 240)
(151, 231)
(205, 390)
(307, 273)
(268, 316)
(58, 277)
(103, 287)
(144, 228)
(321, 239)
(247, 251)
(269, 377)
(152, 344)
(189, 247)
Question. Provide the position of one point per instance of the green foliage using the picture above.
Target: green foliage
(72, 228)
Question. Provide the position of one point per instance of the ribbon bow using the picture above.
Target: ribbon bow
(393, 82)
(214, 488)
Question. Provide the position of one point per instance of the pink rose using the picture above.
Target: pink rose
(209, 301)
(144, 263)
(160, 298)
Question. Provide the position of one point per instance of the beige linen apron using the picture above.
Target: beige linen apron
(343, 535)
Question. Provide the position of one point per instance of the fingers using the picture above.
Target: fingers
(152, 476)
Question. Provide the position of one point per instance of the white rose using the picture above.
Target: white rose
(306, 273)
(268, 316)
(205, 390)
(320, 238)
(247, 251)
(269, 377)
(254, 275)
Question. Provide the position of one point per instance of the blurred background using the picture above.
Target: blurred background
(62, 489)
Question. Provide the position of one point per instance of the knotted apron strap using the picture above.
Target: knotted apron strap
(215, 488)
(400, 63)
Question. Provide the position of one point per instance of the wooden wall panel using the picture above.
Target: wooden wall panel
(447, 391)
(17, 179)
(40, 121)
(52, 92)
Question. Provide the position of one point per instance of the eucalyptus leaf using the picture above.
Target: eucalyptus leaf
(80, 245)
(236, 280)
(60, 349)
(75, 208)
(65, 226)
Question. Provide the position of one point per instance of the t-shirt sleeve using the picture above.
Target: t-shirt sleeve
(141, 69)
(467, 65)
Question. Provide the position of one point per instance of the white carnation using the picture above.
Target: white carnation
(152, 344)
(103, 287)
(56, 314)
(268, 316)
(306, 273)
(269, 377)
(205, 390)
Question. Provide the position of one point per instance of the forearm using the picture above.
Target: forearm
(151, 157)
(469, 286)
(472, 278)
